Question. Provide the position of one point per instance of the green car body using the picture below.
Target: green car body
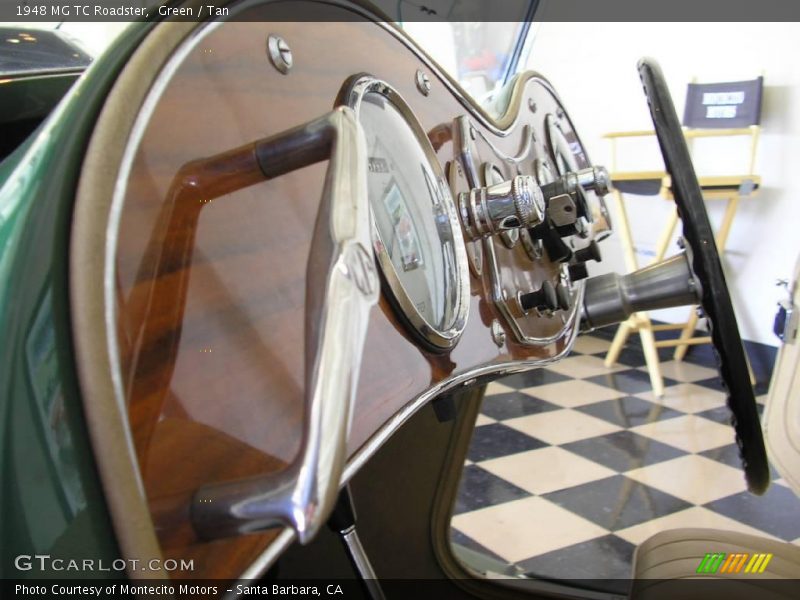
(51, 501)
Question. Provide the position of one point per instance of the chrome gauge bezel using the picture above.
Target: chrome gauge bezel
(434, 337)
(542, 172)
(558, 145)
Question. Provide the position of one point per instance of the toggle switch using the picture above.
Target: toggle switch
(543, 299)
(578, 271)
(590, 252)
(566, 206)
(557, 250)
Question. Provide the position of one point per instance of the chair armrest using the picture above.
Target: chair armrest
(689, 133)
(701, 133)
(636, 175)
(728, 180)
(622, 134)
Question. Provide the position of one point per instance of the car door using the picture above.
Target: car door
(782, 415)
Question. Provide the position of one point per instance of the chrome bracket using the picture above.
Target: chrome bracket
(341, 287)
(499, 296)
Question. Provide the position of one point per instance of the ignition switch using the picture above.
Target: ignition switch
(505, 206)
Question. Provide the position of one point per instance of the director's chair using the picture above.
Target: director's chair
(713, 110)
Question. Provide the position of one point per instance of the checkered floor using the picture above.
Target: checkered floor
(570, 467)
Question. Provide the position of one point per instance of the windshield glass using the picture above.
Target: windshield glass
(477, 55)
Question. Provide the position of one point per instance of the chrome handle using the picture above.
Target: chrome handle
(596, 179)
(341, 287)
(512, 204)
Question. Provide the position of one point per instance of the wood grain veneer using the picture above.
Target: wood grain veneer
(211, 301)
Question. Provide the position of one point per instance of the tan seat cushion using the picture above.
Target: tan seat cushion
(676, 554)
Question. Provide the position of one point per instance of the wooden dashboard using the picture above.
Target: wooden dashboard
(210, 337)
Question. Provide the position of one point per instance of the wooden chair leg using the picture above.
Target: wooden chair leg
(727, 223)
(750, 370)
(666, 236)
(623, 331)
(651, 357)
(686, 333)
(626, 239)
(625, 235)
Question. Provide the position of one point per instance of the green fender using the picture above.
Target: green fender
(51, 501)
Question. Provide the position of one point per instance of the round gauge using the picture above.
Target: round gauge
(566, 154)
(416, 232)
(543, 172)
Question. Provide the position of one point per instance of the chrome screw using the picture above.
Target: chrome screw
(498, 335)
(423, 82)
(280, 55)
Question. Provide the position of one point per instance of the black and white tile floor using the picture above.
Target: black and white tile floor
(570, 467)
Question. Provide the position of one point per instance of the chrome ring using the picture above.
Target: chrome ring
(437, 337)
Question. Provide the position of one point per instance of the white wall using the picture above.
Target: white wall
(593, 68)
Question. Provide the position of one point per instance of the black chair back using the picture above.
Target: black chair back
(728, 105)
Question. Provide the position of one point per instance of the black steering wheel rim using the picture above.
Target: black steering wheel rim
(705, 263)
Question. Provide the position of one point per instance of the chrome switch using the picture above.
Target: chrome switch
(505, 206)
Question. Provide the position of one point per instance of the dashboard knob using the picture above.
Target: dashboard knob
(557, 250)
(544, 298)
(590, 252)
(578, 271)
(508, 205)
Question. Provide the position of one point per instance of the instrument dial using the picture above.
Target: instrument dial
(416, 233)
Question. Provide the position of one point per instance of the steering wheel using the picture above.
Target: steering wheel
(705, 263)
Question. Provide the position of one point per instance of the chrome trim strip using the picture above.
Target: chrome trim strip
(346, 282)
(527, 135)
(501, 127)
